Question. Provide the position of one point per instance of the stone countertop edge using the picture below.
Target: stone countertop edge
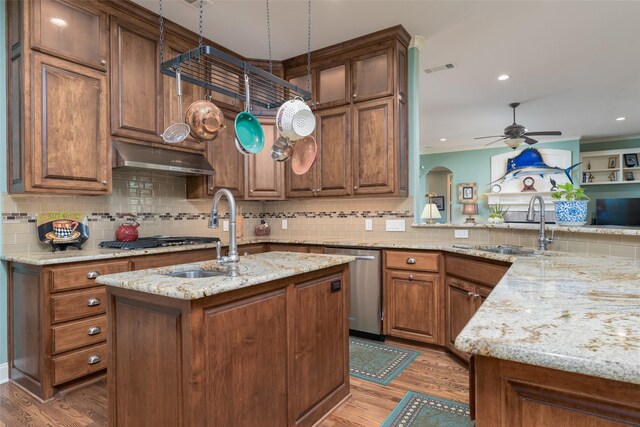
(587, 229)
(253, 270)
(568, 312)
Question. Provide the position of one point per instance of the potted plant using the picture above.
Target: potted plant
(496, 213)
(571, 205)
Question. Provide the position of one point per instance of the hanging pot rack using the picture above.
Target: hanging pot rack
(221, 72)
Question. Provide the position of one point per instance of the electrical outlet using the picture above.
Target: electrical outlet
(461, 234)
(395, 225)
(285, 224)
(368, 224)
(225, 225)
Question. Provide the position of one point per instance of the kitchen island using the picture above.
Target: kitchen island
(558, 343)
(269, 347)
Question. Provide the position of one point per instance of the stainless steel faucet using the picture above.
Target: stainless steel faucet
(232, 257)
(542, 238)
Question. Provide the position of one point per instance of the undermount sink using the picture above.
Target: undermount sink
(195, 274)
(505, 249)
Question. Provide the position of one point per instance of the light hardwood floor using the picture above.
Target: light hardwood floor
(432, 372)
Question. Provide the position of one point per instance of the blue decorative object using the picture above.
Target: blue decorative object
(377, 362)
(571, 213)
(422, 410)
(529, 162)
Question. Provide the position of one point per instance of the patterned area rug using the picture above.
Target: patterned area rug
(376, 362)
(421, 410)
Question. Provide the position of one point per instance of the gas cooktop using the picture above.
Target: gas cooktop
(157, 242)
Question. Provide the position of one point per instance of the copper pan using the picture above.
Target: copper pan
(205, 119)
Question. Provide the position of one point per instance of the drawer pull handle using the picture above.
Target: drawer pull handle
(410, 277)
(411, 260)
(94, 330)
(93, 274)
(92, 302)
(93, 359)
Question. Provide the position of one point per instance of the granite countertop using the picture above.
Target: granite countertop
(576, 313)
(253, 269)
(612, 230)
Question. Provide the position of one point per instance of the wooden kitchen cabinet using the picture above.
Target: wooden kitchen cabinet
(227, 162)
(136, 82)
(69, 147)
(76, 31)
(319, 342)
(373, 74)
(469, 282)
(333, 84)
(264, 179)
(374, 149)
(331, 175)
(413, 296)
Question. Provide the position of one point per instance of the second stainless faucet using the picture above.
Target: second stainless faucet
(542, 238)
(232, 257)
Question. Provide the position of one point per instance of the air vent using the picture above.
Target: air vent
(443, 67)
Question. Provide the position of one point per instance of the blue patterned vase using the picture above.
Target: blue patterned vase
(571, 213)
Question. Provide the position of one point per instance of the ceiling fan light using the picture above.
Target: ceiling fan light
(513, 143)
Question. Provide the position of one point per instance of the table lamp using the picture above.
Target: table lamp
(470, 209)
(430, 211)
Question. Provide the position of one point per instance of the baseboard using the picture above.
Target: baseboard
(4, 373)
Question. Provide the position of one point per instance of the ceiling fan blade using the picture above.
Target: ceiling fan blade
(529, 141)
(543, 133)
(493, 142)
(494, 136)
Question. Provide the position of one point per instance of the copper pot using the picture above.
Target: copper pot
(205, 119)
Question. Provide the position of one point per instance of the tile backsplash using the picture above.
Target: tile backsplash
(160, 203)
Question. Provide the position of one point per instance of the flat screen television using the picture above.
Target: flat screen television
(618, 212)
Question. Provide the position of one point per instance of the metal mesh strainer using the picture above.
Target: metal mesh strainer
(177, 132)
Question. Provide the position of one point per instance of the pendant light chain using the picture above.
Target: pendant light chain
(269, 38)
(200, 24)
(161, 34)
(309, 45)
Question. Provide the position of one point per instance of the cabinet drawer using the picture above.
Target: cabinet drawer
(421, 261)
(476, 271)
(79, 363)
(78, 304)
(79, 334)
(84, 275)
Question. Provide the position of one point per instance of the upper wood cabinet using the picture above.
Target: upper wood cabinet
(69, 140)
(136, 82)
(373, 75)
(264, 179)
(73, 30)
(333, 84)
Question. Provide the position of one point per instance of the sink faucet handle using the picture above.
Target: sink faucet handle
(218, 250)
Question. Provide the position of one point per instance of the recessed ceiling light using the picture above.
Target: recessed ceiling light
(621, 119)
(502, 77)
(443, 139)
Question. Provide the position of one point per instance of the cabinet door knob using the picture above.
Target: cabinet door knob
(355, 95)
(93, 274)
(410, 277)
(104, 182)
(317, 102)
(210, 188)
(103, 62)
(469, 293)
(94, 330)
(92, 302)
(93, 359)
(355, 187)
(411, 260)
(476, 295)
(250, 191)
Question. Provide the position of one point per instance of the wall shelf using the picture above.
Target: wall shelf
(595, 168)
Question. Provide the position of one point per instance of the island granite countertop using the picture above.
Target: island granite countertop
(253, 269)
(575, 313)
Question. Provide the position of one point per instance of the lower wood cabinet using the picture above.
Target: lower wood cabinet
(58, 322)
(412, 306)
(274, 354)
(512, 394)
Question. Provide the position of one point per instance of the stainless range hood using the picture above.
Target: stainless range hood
(126, 154)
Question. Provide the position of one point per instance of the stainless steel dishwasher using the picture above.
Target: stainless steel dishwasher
(365, 282)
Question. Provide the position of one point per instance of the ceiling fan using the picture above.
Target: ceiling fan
(516, 134)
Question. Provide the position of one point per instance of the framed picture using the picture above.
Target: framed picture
(628, 176)
(467, 192)
(439, 202)
(613, 162)
(630, 160)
